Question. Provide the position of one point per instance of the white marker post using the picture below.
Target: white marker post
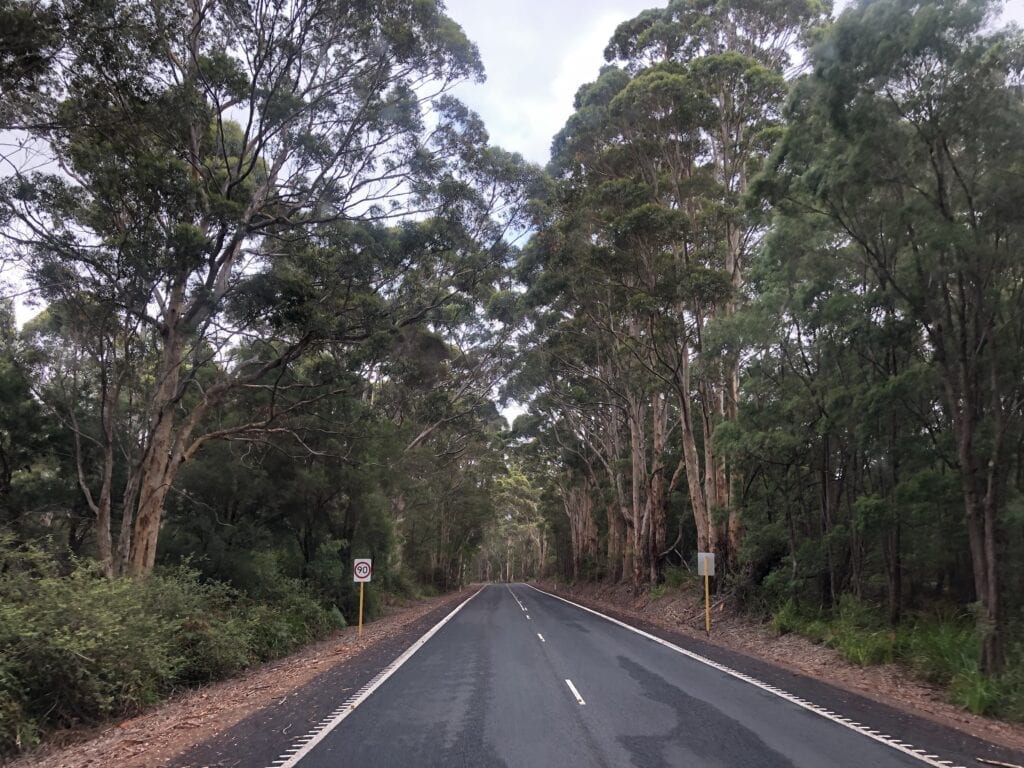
(706, 568)
(362, 572)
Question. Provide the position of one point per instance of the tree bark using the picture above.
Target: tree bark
(690, 455)
(158, 467)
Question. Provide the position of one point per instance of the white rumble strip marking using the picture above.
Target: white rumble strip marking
(541, 637)
(899, 746)
(314, 737)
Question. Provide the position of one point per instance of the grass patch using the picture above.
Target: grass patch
(941, 649)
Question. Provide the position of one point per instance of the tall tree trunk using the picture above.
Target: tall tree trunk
(158, 467)
(637, 415)
(691, 459)
(826, 504)
(101, 505)
(982, 478)
(620, 516)
(578, 503)
(657, 495)
(615, 542)
(718, 540)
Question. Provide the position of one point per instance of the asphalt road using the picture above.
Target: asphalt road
(520, 678)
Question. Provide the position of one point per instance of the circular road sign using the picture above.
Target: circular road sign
(362, 569)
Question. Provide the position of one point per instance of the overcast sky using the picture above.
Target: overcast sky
(538, 52)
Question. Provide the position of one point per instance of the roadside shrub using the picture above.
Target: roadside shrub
(864, 648)
(212, 648)
(18, 731)
(276, 629)
(787, 619)
(268, 633)
(975, 692)
(1012, 705)
(210, 638)
(306, 618)
(84, 648)
(765, 598)
(78, 649)
(940, 649)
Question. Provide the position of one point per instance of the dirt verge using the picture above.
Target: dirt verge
(192, 717)
(891, 684)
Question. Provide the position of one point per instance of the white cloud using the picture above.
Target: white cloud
(537, 54)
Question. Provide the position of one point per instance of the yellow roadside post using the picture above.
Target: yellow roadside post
(362, 572)
(706, 568)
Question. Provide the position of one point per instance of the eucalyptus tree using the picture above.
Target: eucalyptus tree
(582, 375)
(652, 232)
(730, 58)
(906, 143)
(189, 148)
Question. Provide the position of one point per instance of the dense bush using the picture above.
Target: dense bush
(941, 648)
(77, 648)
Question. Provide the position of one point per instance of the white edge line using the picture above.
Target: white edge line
(321, 733)
(752, 681)
(575, 692)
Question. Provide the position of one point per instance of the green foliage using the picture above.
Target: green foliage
(277, 628)
(975, 692)
(897, 196)
(80, 648)
(208, 636)
(941, 648)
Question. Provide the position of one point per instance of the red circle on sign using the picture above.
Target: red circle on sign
(362, 570)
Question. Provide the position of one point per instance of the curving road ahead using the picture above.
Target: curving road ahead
(516, 677)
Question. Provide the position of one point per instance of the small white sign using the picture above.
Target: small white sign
(705, 563)
(362, 569)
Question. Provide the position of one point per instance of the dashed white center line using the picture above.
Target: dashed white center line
(579, 699)
(541, 637)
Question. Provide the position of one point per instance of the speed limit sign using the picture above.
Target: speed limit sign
(362, 569)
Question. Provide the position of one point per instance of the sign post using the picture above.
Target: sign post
(362, 572)
(706, 568)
